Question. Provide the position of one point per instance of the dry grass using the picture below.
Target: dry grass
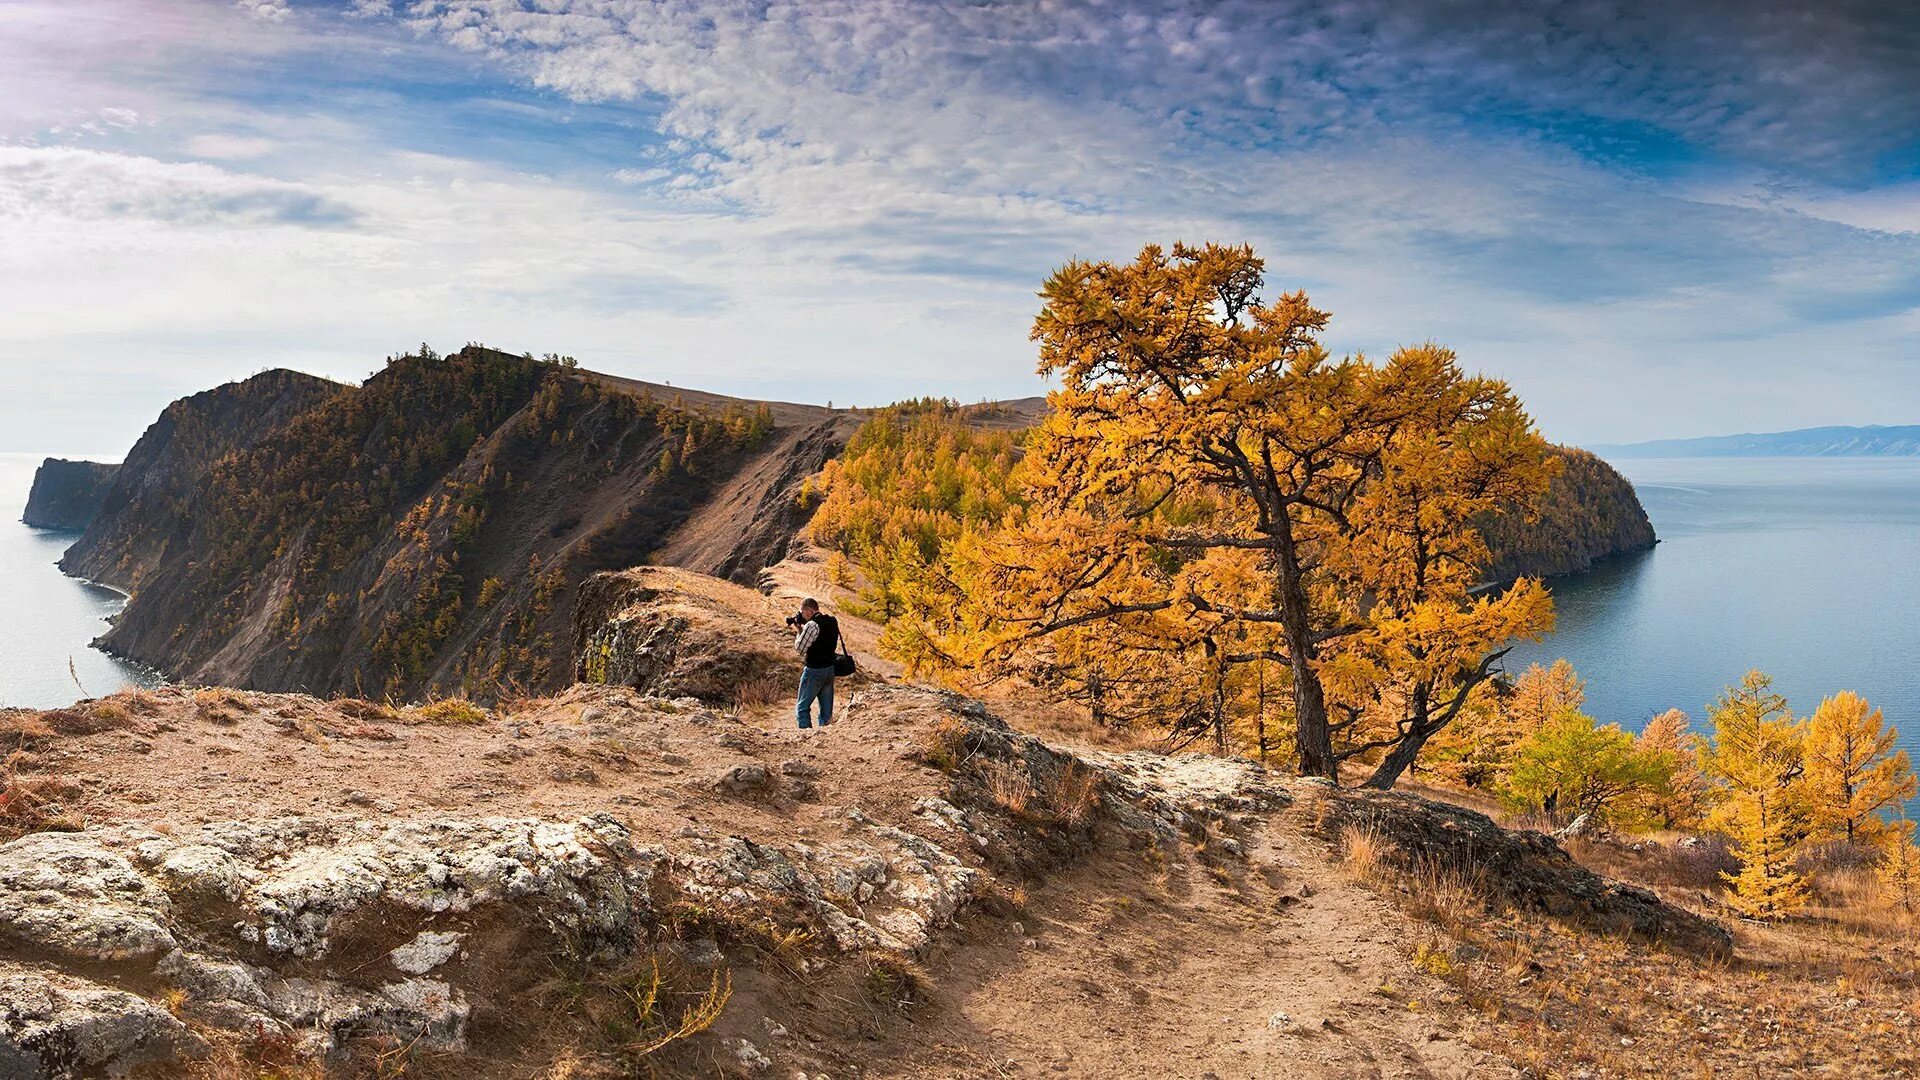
(1424, 888)
(216, 706)
(759, 693)
(615, 1020)
(1074, 795)
(37, 804)
(370, 712)
(89, 717)
(1008, 786)
(446, 711)
(1836, 993)
(945, 745)
(894, 981)
(22, 730)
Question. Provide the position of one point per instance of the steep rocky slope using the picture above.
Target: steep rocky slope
(144, 517)
(427, 531)
(67, 494)
(1590, 513)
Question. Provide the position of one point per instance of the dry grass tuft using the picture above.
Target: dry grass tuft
(22, 729)
(758, 693)
(945, 744)
(89, 718)
(1074, 796)
(1008, 786)
(627, 1012)
(895, 982)
(215, 706)
(371, 712)
(447, 711)
(1364, 852)
(36, 804)
(1422, 887)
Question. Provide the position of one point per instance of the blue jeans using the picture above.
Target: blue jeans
(815, 682)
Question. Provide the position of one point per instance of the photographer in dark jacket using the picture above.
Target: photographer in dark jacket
(816, 635)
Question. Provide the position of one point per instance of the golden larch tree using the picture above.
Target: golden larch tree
(1211, 478)
(1853, 771)
(1899, 867)
(1683, 799)
(1757, 759)
(1542, 694)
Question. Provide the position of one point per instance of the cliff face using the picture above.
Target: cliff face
(67, 494)
(1590, 513)
(425, 532)
(144, 520)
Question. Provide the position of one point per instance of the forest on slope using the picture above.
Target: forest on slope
(1588, 513)
(422, 533)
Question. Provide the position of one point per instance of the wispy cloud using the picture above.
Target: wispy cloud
(854, 199)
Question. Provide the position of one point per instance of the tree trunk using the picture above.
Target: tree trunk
(1397, 761)
(1312, 739)
(1407, 750)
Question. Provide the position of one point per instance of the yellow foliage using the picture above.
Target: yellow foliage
(913, 479)
(1757, 757)
(1213, 495)
(1852, 769)
(1899, 867)
(1682, 801)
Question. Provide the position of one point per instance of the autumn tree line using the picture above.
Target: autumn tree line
(1224, 534)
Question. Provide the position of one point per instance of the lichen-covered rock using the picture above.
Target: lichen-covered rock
(744, 779)
(67, 894)
(588, 875)
(65, 1026)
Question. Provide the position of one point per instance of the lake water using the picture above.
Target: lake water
(1806, 568)
(46, 618)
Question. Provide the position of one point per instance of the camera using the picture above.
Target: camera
(794, 620)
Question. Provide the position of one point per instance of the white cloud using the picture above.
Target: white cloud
(46, 185)
(267, 10)
(228, 147)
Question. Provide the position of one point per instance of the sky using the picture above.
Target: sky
(1653, 219)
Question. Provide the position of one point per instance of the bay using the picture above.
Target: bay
(49, 620)
(1805, 568)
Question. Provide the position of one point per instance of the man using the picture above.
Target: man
(816, 637)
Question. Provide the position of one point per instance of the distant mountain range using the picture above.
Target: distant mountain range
(1870, 441)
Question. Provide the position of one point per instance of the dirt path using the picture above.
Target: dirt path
(1278, 973)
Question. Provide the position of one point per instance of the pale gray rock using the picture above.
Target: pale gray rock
(66, 893)
(427, 950)
(71, 1027)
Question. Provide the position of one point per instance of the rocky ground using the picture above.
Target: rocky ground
(237, 884)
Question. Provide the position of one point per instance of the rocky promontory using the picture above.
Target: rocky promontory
(67, 494)
(1590, 513)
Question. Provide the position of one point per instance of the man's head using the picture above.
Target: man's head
(809, 608)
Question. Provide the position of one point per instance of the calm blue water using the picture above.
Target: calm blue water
(47, 618)
(1806, 568)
